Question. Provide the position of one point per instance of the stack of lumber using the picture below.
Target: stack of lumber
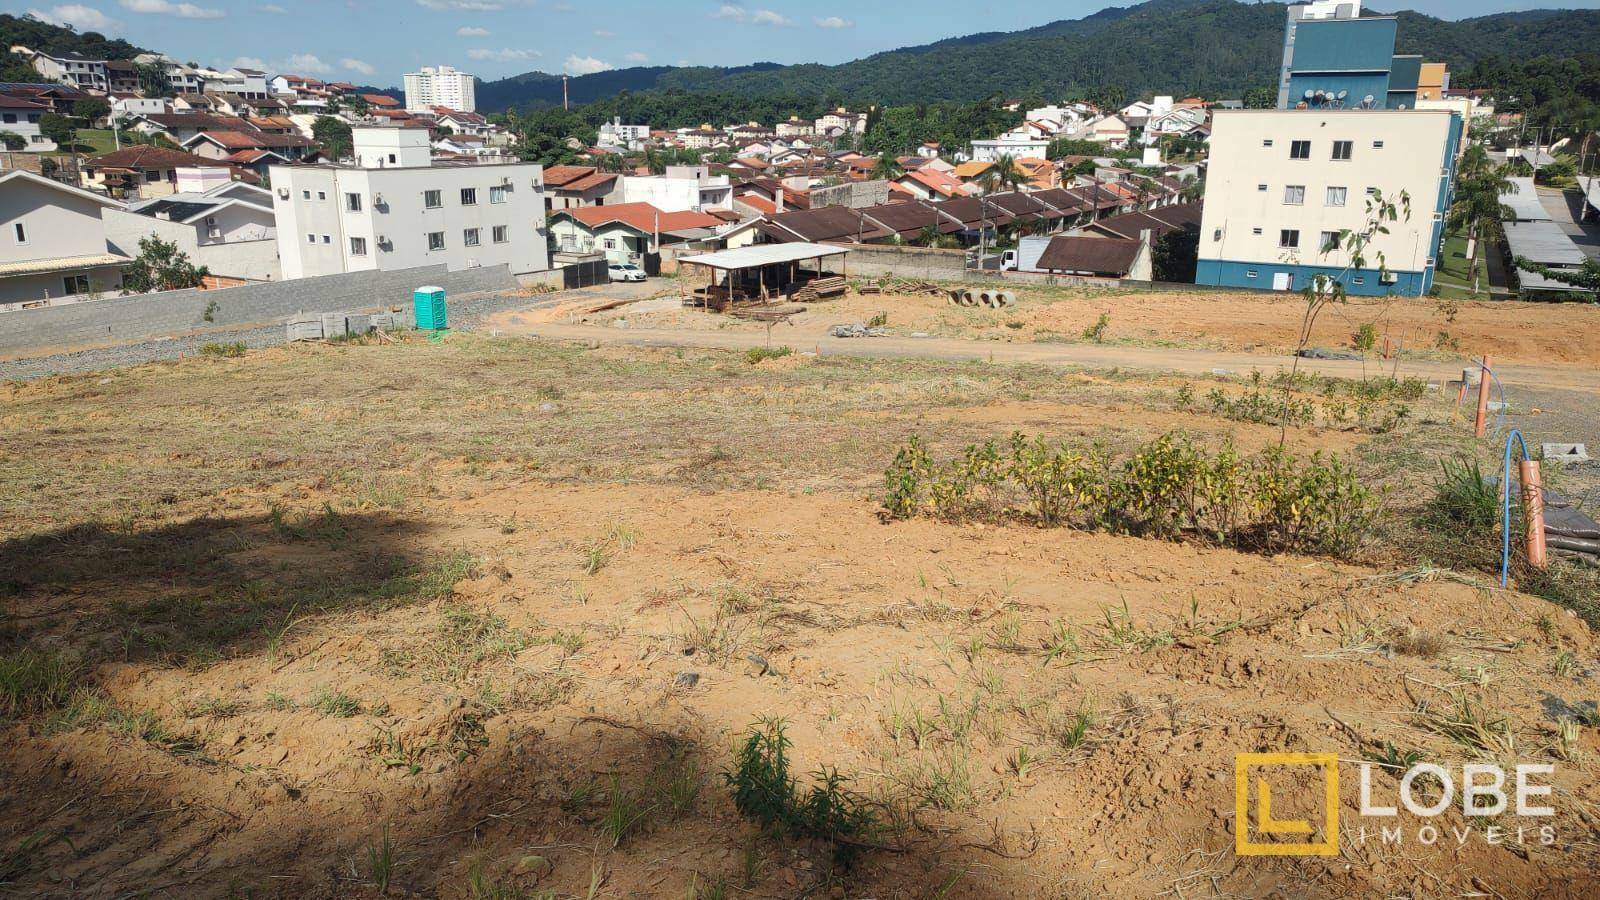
(818, 288)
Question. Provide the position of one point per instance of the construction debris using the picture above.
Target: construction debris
(857, 329)
(1565, 453)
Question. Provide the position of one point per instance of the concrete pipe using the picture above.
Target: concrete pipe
(1004, 298)
(969, 298)
(955, 297)
(986, 297)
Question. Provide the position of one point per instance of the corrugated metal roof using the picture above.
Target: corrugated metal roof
(1543, 242)
(763, 255)
(1524, 201)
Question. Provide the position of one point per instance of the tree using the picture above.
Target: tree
(153, 80)
(58, 128)
(1061, 147)
(1175, 255)
(1260, 98)
(1477, 210)
(333, 136)
(886, 167)
(91, 109)
(12, 141)
(1002, 175)
(161, 266)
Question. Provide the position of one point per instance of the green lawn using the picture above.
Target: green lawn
(1453, 277)
(92, 141)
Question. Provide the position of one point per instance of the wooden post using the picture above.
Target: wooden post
(1533, 508)
(1482, 422)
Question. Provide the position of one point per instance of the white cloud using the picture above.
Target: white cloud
(273, 8)
(636, 57)
(83, 18)
(736, 13)
(168, 8)
(585, 65)
(602, 33)
(503, 56)
(249, 62)
(306, 64)
(834, 22)
(463, 5)
(357, 66)
(472, 31)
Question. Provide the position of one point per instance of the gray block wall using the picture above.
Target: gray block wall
(141, 317)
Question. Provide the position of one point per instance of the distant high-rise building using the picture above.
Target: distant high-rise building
(440, 86)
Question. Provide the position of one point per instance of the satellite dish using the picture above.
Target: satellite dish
(1343, 94)
(1310, 93)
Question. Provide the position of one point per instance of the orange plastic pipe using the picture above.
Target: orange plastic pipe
(1533, 506)
(1482, 422)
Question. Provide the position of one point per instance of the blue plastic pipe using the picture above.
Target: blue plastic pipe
(1505, 515)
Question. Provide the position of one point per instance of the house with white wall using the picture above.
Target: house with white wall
(1010, 144)
(226, 226)
(1284, 184)
(82, 72)
(392, 208)
(679, 189)
(53, 241)
(20, 116)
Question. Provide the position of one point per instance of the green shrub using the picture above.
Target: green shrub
(905, 480)
(214, 349)
(760, 354)
(764, 790)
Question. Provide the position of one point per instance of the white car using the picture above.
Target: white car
(625, 272)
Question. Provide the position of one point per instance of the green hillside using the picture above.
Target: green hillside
(1208, 47)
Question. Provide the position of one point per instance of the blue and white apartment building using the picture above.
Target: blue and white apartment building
(1283, 183)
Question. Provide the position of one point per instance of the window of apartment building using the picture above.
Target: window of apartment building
(1261, 187)
(352, 202)
(311, 239)
(1267, 142)
(1299, 149)
(469, 237)
(327, 239)
(19, 233)
(499, 234)
(1341, 149)
(393, 159)
(469, 196)
(1251, 273)
(1330, 241)
(322, 195)
(432, 199)
(497, 194)
(305, 195)
(1294, 194)
(1335, 196)
(1289, 238)
(358, 246)
(435, 240)
(1377, 145)
(76, 284)
(1255, 231)
(9, 118)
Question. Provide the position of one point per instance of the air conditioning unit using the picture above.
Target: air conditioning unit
(377, 199)
(283, 193)
(383, 239)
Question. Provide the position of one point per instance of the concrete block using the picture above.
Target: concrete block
(357, 323)
(1566, 453)
(304, 328)
(382, 321)
(333, 325)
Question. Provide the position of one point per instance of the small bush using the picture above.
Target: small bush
(1366, 337)
(1463, 499)
(761, 354)
(229, 350)
(763, 790)
(1097, 331)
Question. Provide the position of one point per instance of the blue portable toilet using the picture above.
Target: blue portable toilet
(429, 304)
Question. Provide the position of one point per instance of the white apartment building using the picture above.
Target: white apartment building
(1016, 146)
(440, 86)
(21, 117)
(680, 189)
(393, 209)
(1283, 184)
(72, 69)
(633, 137)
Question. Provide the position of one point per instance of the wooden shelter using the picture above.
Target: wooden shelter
(762, 273)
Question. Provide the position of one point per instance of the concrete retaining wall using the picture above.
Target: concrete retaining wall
(872, 260)
(141, 317)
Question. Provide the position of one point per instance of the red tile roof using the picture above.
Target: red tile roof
(240, 140)
(10, 102)
(380, 100)
(758, 203)
(941, 183)
(561, 176)
(589, 182)
(641, 216)
(145, 157)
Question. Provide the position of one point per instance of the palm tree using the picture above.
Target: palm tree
(1477, 209)
(1003, 175)
(886, 167)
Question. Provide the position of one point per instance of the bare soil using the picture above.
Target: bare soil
(489, 595)
(1528, 333)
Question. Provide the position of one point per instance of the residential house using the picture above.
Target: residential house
(1180, 120)
(128, 106)
(140, 171)
(181, 78)
(633, 137)
(1113, 131)
(59, 97)
(122, 77)
(180, 127)
(221, 145)
(408, 212)
(21, 117)
(384, 101)
(1283, 184)
(1097, 257)
(464, 123)
(795, 127)
(224, 225)
(1012, 144)
(54, 240)
(930, 184)
(82, 72)
(929, 150)
(569, 187)
(627, 232)
(678, 189)
(466, 146)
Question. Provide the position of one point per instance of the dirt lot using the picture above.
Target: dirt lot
(1531, 333)
(486, 617)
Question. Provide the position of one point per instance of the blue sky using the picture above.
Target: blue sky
(375, 41)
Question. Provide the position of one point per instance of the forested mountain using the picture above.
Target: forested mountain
(1208, 47)
(32, 33)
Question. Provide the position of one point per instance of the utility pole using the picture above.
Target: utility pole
(566, 104)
